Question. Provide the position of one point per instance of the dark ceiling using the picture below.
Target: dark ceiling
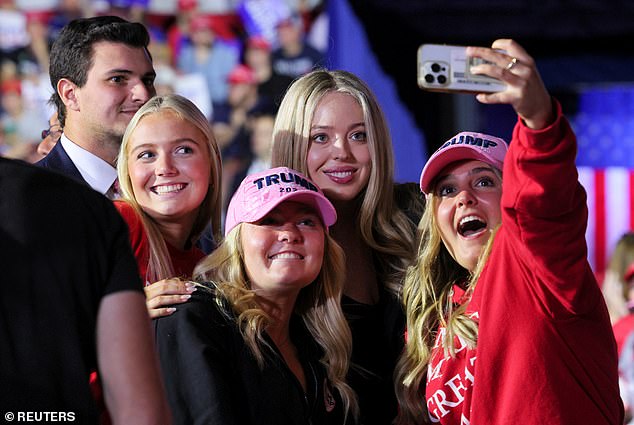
(577, 41)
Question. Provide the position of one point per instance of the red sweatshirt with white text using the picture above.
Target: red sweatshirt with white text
(545, 353)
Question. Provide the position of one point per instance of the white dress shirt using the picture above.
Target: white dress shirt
(98, 173)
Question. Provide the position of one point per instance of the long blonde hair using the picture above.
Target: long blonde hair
(384, 227)
(318, 304)
(428, 300)
(160, 264)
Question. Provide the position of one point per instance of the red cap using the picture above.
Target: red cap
(241, 74)
(293, 20)
(11, 86)
(200, 23)
(38, 16)
(258, 42)
(185, 5)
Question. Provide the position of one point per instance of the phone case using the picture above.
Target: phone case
(445, 68)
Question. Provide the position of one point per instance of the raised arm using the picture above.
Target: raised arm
(525, 90)
(543, 204)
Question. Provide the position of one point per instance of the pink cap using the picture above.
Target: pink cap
(259, 193)
(465, 145)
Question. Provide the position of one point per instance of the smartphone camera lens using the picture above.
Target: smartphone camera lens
(435, 67)
(429, 78)
(442, 79)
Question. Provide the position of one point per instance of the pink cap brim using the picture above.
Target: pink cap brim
(316, 200)
(460, 152)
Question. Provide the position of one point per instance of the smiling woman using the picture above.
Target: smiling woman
(505, 320)
(169, 174)
(264, 341)
(465, 172)
(331, 128)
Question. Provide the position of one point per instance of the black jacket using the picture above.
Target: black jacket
(59, 161)
(212, 377)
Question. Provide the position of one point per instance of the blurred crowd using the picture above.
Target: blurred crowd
(233, 58)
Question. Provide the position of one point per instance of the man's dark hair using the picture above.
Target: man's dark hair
(72, 51)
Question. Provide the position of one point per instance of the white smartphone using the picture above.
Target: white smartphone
(445, 68)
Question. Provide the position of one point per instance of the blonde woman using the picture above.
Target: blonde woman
(615, 288)
(330, 127)
(169, 173)
(505, 320)
(618, 291)
(264, 340)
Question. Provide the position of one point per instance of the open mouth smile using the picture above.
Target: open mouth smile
(471, 225)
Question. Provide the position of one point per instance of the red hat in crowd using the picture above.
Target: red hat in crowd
(241, 74)
(201, 23)
(258, 42)
(185, 5)
(41, 17)
(293, 20)
(11, 86)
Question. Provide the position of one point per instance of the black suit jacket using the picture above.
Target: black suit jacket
(58, 160)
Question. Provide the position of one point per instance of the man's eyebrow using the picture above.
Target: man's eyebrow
(129, 72)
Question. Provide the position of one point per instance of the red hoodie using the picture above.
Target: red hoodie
(546, 353)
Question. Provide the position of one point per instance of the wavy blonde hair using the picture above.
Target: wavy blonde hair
(318, 304)
(383, 226)
(160, 263)
(428, 300)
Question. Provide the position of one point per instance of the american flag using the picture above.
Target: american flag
(604, 125)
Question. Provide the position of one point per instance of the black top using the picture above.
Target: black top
(212, 377)
(377, 341)
(274, 88)
(63, 247)
(297, 65)
(378, 332)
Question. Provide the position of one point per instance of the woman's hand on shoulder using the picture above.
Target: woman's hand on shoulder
(525, 90)
(159, 296)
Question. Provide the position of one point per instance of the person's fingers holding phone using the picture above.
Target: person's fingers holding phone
(525, 91)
